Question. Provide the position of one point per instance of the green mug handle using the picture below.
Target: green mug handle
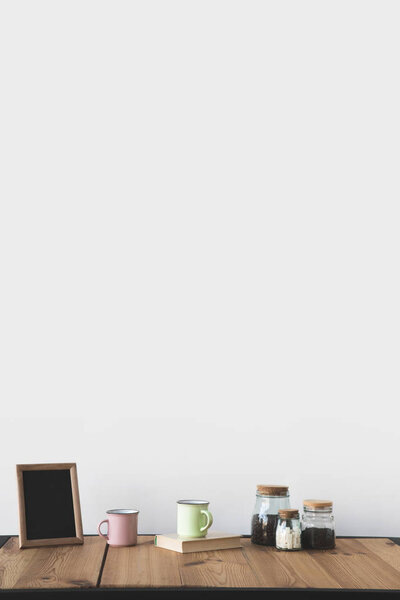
(209, 518)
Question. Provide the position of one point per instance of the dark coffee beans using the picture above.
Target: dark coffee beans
(318, 538)
(263, 529)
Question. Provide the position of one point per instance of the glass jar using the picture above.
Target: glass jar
(288, 530)
(318, 527)
(269, 500)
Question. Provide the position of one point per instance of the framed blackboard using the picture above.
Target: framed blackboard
(49, 507)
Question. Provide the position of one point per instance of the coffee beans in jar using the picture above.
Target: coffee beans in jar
(318, 526)
(269, 500)
(318, 538)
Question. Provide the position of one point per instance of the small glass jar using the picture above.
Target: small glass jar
(288, 530)
(318, 526)
(269, 500)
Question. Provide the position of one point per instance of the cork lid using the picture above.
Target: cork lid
(289, 513)
(272, 490)
(318, 503)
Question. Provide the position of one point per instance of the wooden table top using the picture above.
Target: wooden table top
(355, 563)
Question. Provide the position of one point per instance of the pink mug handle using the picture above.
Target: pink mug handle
(99, 530)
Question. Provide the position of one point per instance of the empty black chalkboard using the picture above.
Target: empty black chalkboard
(49, 505)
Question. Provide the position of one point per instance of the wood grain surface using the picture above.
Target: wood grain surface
(51, 567)
(222, 568)
(286, 569)
(354, 564)
(384, 549)
(143, 565)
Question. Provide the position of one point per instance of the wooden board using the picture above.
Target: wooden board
(51, 567)
(143, 565)
(286, 569)
(384, 549)
(222, 568)
(148, 566)
(354, 564)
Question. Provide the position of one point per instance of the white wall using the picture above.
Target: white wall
(199, 253)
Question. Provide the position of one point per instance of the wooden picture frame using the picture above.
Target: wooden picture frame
(24, 541)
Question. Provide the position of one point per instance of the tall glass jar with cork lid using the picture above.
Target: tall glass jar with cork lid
(269, 500)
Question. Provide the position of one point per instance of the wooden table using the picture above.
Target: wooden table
(355, 564)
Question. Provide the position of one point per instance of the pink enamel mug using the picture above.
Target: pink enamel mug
(122, 527)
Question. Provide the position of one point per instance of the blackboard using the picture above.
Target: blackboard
(49, 505)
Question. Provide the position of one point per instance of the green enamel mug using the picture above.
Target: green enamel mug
(194, 518)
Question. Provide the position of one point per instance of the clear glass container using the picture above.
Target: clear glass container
(288, 530)
(269, 500)
(318, 525)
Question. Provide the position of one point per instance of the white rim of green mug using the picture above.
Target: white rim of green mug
(193, 502)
